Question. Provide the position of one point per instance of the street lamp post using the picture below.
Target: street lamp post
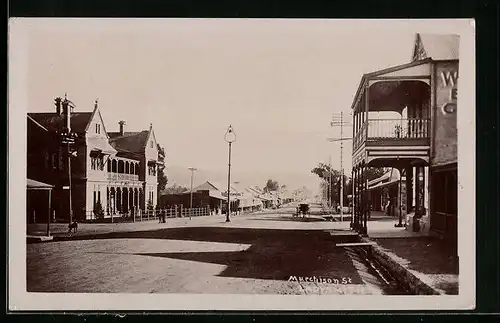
(192, 169)
(230, 138)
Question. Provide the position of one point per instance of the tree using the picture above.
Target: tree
(162, 178)
(98, 210)
(175, 189)
(329, 175)
(271, 186)
(374, 172)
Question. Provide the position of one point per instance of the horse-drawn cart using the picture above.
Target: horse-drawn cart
(303, 209)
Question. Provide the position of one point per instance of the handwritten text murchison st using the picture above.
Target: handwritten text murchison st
(314, 279)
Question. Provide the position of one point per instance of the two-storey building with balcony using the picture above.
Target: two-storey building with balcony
(116, 170)
(405, 117)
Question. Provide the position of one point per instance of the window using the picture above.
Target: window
(151, 144)
(97, 163)
(97, 128)
(152, 170)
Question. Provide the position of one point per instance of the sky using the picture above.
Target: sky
(277, 82)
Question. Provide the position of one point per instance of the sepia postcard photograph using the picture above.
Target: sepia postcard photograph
(241, 164)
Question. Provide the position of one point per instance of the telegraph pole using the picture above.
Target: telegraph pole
(192, 169)
(341, 169)
(338, 120)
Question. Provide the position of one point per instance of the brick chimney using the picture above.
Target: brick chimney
(58, 105)
(67, 113)
(121, 123)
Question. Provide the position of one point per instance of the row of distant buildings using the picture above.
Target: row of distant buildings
(214, 195)
(115, 172)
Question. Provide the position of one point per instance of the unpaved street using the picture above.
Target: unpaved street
(257, 254)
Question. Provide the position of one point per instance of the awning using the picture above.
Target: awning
(387, 175)
(36, 185)
(380, 185)
(100, 146)
(217, 195)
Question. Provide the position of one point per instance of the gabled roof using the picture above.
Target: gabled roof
(130, 141)
(96, 110)
(55, 122)
(368, 76)
(208, 185)
(253, 191)
(438, 47)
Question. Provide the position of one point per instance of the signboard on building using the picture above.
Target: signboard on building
(445, 113)
(232, 194)
(448, 85)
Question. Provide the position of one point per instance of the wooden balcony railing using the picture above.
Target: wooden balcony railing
(410, 128)
(360, 136)
(399, 128)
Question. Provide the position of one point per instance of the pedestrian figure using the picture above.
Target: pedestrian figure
(163, 215)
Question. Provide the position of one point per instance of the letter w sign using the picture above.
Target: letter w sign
(449, 78)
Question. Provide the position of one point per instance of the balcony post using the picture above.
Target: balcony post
(409, 189)
(360, 197)
(366, 202)
(353, 181)
(367, 98)
(358, 200)
(353, 131)
(418, 188)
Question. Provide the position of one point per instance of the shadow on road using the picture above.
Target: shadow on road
(290, 218)
(213, 234)
(273, 254)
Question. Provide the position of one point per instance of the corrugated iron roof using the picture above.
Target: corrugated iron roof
(31, 184)
(101, 144)
(130, 141)
(56, 122)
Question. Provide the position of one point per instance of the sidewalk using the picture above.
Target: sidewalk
(426, 258)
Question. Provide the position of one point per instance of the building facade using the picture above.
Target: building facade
(112, 171)
(418, 136)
